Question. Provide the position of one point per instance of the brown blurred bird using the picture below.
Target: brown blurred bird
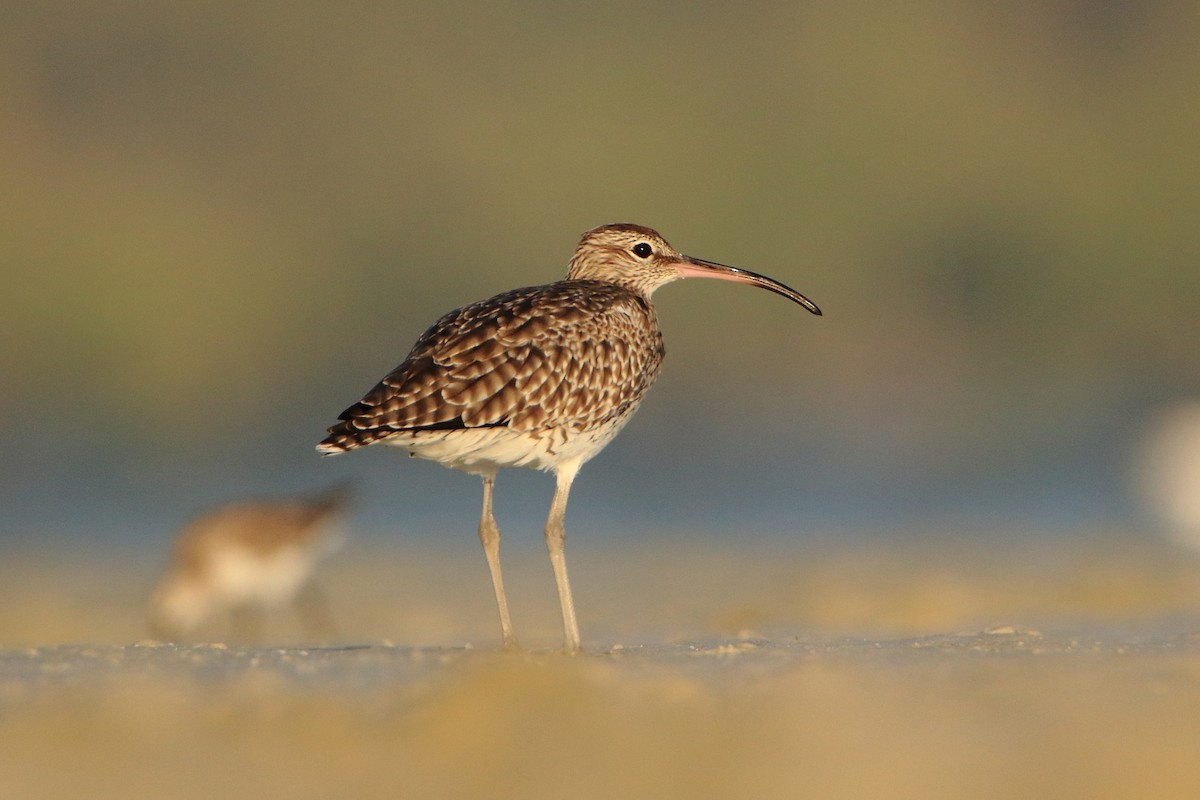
(542, 377)
(248, 557)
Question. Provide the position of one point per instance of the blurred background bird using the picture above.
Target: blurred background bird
(247, 558)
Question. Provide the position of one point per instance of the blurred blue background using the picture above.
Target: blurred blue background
(224, 222)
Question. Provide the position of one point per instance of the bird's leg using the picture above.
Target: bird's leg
(489, 535)
(247, 623)
(313, 610)
(556, 534)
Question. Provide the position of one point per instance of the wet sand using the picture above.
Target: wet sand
(909, 667)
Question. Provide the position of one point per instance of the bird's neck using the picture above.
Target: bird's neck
(641, 286)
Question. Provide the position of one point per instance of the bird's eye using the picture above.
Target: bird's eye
(643, 250)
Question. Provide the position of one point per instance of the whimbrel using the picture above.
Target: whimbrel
(246, 557)
(542, 377)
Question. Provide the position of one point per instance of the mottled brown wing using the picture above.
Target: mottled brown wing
(573, 354)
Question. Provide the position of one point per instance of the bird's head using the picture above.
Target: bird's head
(641, 260)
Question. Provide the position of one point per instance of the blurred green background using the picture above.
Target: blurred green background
(223, 222)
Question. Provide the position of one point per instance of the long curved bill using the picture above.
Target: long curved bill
(699, 268)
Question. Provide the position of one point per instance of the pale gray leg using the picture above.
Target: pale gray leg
(489, 535)
(556, 534)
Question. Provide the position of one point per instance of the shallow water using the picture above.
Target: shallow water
(968, 667)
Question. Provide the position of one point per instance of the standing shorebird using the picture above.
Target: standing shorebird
(542, 377)
(247, 557)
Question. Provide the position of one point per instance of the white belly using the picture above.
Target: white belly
(485, 450)
(240, 576)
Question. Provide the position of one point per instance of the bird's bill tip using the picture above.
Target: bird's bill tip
(699, 268)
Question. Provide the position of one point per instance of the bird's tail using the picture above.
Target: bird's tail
(330, 502)
(343, 436)
(336, 443)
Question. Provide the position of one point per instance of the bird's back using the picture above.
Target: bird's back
(575, 357)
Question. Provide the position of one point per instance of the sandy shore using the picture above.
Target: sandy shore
(876, 669)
